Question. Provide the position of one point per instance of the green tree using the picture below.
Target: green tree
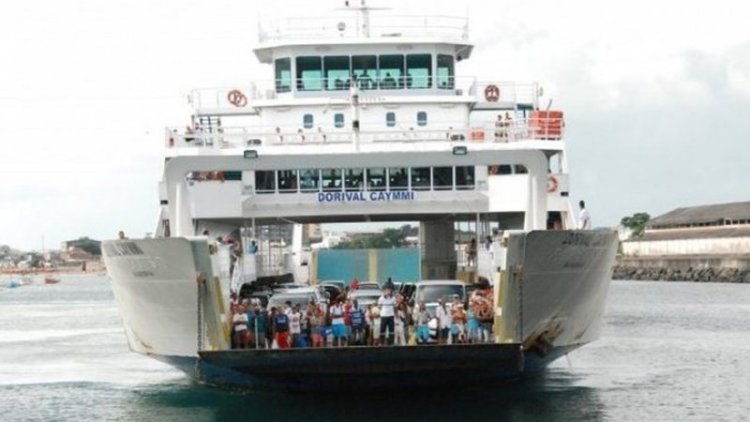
(636, 223)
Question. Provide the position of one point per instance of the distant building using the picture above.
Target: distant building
(94, 247)
(720, 229)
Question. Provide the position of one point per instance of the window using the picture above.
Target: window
(265, 182)
(420, 178)
(336, 70)
(465, 178)
(309, 180)
(418, 71)
(338, 120)
(354, 180)
(391, 71)
(376, 179)
(521, 169)
(398, 178)
(308, 121)
(283, 72)
(390, 119)
(445, 71)
(331, 179)
(443, 178)
(422, 118)
(309, 74)
(365, 69)
(233, 175)
(287, 181)
(504, 169)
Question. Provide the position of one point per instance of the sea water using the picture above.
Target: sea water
(669, 351)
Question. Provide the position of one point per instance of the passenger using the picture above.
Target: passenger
(400, 324)
(388, 81)
(364, 81)
(500, 134)
(338, 324)
(317, 322)
(239, 322)
(387, 304)
(252, 248)
(422, 318)
(374, 320)
(584, 218)
(250, 313)
(357, 318)
(472, 326)
(261, 326)
(472, 252)
(281, 328)
(305, 336)
(354, 285)
(295, 326)
(458, 327)
(509, 127)
(189, 134)
(444, 322)
(482, 304)
(121, 235)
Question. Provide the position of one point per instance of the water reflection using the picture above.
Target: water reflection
(553, 396)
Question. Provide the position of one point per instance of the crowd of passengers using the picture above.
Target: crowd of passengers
(388, 322)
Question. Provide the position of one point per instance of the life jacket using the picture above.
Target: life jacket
(357, 317)
(282, 322)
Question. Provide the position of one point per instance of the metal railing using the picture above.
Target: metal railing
(371, 91)
(512, 130)
(345, 27)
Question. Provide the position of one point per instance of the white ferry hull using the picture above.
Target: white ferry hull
(561, 281)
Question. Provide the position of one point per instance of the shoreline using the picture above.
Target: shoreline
(696, 268)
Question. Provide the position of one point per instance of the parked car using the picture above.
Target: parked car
(430, 291)
(332, 290)
(365, 297)
(301, 296)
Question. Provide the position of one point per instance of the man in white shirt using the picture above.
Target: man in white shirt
(445, 320)
(584, 219)
(387, 304)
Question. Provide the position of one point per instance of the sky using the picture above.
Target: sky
(656, 96)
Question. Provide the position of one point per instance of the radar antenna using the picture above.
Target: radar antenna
(363, 15)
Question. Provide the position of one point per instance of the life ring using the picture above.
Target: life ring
(552, 184)
(492, 93)
(237, 98)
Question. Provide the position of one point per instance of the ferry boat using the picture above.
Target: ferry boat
(363, 118)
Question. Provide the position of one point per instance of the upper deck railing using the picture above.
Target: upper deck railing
(341, 26)
(372, 91)
(501, 131)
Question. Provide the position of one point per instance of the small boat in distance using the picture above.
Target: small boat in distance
(51, 280)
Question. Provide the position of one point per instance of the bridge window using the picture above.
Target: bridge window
(283, 72)
(376, 179)
(420, 178)
(390, 119)
(445, 71)
(398, 178)
(338, 120)
(265, 181)
(521, 169)
(354, 180)
(418, 71)
(365, 68)
(465, 178)
(331, 180)
(309, 74)
(391, 71)
(422, 118)
(336, 70)
(287, 181)
(309, 180)
(443, 178)
(308, 121)
(504, 169)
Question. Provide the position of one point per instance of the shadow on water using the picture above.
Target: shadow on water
(553, 396)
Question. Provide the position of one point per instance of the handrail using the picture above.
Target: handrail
(371, 90)
(339, 27)
(501, 131)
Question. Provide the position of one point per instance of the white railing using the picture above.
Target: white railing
(511, 130)
(342, 26)
(372, 91)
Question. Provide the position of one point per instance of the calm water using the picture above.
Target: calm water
(670, 351)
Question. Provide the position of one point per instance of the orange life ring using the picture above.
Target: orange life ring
(552, 184)
(237, 98)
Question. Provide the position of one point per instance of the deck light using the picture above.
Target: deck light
(250, 154)
(461, 150)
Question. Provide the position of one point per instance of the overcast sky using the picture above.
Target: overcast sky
(656, 96)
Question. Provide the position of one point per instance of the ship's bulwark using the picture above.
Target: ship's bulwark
(558, 279)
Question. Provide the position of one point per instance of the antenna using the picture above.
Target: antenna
(363, 15)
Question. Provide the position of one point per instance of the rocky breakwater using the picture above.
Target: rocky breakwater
(719, 275)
